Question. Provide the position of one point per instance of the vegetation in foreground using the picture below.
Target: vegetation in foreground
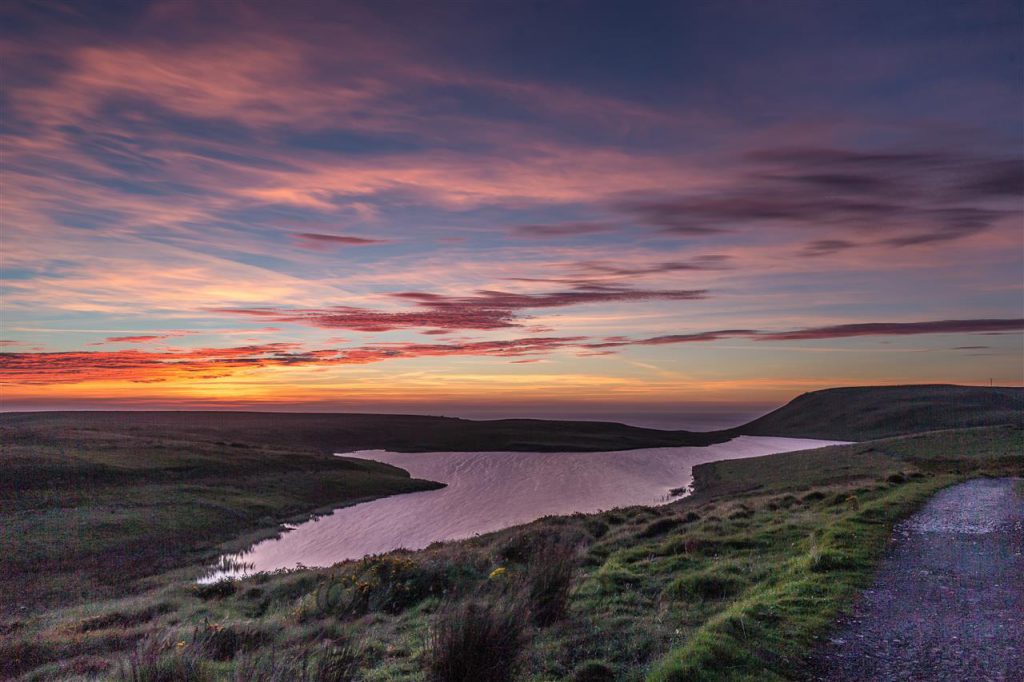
(733, 583)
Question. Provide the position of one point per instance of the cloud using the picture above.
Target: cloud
(840, 331)
(826, 247)
(567, 229)
(146, 338)
(889, 197)
(318, 242)
(595, 273)
(212, 363)
(896, 329)
(43, 368)
(137, 365)
(618, 342)
(484, 310)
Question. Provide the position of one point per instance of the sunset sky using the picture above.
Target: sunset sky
(507, 207)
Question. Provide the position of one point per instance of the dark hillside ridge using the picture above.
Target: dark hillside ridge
(328, 433)
(860, 413)
(865, 413)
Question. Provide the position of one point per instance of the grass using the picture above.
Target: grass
(871, 412)
(737, 582)
(476, 640)
(88, 513)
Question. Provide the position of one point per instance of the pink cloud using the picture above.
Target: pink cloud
(318, 242)
(485, 309)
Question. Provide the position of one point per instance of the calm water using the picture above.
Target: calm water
(487, 491)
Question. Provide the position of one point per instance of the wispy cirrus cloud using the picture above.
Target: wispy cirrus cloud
(566, 229)
(201, 364)
(484, 310)
(839, 331)
(894, 198)
(141, 338)
(842, 331)
(212, 363)
(319, 242)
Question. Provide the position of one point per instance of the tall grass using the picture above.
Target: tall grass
(549, 580)
(331, 662)
(160, 661)
(475, 641)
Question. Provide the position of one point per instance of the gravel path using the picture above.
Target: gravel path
(948, 601)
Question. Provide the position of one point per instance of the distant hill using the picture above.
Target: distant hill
(869, 412)
(327, 433)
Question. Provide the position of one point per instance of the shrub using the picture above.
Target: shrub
(215, 590)
(897, 479)
(476, 642)
(548, 583)
(390, 583)
(523, 545)
(596, 527)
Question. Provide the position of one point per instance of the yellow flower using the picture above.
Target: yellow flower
(497, 573)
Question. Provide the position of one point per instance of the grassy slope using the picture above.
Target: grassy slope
(88, 512)
(733, 583)
(328, 433)
(864, 413)
(94, 502)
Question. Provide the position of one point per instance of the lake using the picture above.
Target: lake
(488, 491)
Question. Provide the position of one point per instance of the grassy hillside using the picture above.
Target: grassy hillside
(869, 412)
(90, 511)
(96, 502)
(327, 433)
(733, 583)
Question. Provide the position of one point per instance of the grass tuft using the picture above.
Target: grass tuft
(549, 579)
(477, 642)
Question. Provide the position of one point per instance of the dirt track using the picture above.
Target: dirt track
(948, 601)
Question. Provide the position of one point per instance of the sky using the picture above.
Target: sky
(540, 208)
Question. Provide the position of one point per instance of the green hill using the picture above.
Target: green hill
(869, 412)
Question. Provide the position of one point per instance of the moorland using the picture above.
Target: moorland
(108, 519)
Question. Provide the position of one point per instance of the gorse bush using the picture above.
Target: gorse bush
(389, 583)
(477, 642)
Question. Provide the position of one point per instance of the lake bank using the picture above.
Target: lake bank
(488, 491)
